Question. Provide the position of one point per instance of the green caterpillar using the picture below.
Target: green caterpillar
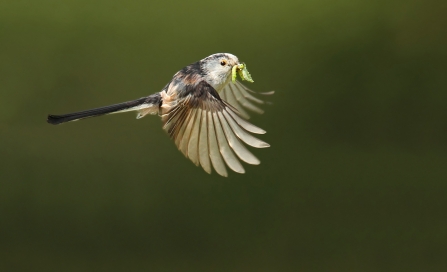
(243, 72)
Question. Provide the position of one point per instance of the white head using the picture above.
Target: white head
(217, 69)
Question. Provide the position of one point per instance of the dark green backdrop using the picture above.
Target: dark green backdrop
(355, 179)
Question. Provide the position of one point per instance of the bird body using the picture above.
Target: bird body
(202, 110)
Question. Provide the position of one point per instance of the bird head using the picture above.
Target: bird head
(220, 68)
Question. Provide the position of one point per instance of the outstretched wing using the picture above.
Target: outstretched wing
(242, 98)
(209, 131)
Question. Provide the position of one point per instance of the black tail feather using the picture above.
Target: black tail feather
(58, 119)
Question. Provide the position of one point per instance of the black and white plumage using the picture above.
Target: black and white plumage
(203, 111)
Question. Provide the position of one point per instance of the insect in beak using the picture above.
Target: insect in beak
(242, 71)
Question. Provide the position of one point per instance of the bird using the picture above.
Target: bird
(203, 110)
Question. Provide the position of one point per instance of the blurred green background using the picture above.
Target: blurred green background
(355, 180)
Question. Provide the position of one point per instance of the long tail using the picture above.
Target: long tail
(138, 104)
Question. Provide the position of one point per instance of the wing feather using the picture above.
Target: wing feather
(188, 126)
(193, 145)
(240, 150)
(203, 144)
(243, 101)
(233, 101)
(246, 125)
(170, 118)
(215, 157)
(225, 149)
(243, 135)
(242, 89)
(241, 98)
(251, 91)
(176, 129)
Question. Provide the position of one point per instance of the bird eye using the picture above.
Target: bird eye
(223, 62)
